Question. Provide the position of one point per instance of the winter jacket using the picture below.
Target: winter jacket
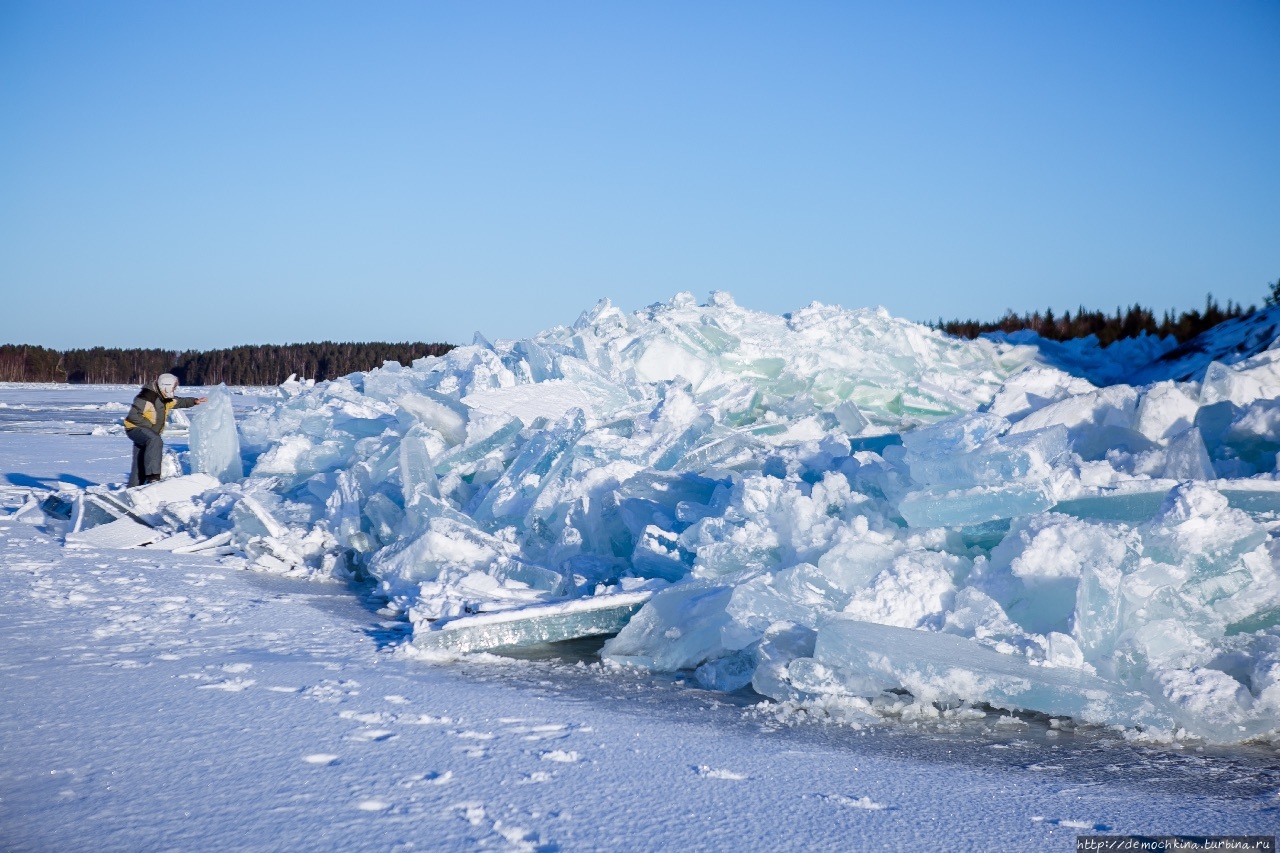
(151, 408)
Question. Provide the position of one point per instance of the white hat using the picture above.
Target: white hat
(167, 383)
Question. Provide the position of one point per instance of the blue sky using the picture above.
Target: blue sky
(193, 175)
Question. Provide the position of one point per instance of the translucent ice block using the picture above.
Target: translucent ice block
(678, 628)
(215, 446)
(727, 674)
(1187, 459)
(1113, 505)
(514, 493)
(465, 455)
(1254, 496)
(998, 460)
(850, 419)
(533, 625)
(943, 667)
(756, 605)
(417, 473)
(955, 435)
(930, 508)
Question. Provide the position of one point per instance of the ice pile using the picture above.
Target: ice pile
(826, 505)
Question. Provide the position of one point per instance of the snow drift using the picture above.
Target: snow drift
(831, 506)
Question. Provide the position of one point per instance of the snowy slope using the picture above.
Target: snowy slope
(1227, 343)
(1147, 359)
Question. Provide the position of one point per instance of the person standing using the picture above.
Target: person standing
(145, 422)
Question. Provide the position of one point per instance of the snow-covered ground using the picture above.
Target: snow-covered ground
(155, 700)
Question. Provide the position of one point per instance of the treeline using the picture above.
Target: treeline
(268, 364)
(1125, 323)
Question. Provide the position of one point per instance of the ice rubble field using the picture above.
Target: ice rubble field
(841, 509)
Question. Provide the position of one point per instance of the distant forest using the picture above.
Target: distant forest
(1108, 327)
(269, 364)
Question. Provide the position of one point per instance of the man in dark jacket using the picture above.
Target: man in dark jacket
(145, 422)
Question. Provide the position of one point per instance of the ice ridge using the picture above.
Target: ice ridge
(828, 503)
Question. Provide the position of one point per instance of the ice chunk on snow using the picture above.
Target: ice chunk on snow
(527, 626)
(1229, 384)
(940, 667)
(1035, 388)
(121, 533)
(973, 472)
(954, 436)
(215, 444)
(148, 502)
(678, 628)
(1210, 703)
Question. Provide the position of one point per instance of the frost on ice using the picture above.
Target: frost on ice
(824, 504)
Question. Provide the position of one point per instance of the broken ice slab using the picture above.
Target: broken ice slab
(438, 413)
(185, 543)
(146, 502)
(1187, 459)
(669, 453)
(466, 454)
(1253, 495)
(535, 465)
(986, 535)
(58, 506)
(530, 626)
(679, 628)
(1128, 507)
(1222, 383)
(1013, 457)
(417, 471)
(734, 451)
(753, 368)
(939, 508)
(121, 533)
(850, 419)
(89, 511)
(954, 435)
(1132, 507)
(944, 667)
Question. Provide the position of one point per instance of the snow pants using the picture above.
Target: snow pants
(148, 451)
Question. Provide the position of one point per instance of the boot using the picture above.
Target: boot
(150, 478)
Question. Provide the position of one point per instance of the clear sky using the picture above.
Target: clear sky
(203, 174)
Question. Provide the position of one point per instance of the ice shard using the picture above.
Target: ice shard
(215, 444)
(533, 625)
(941, 667)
